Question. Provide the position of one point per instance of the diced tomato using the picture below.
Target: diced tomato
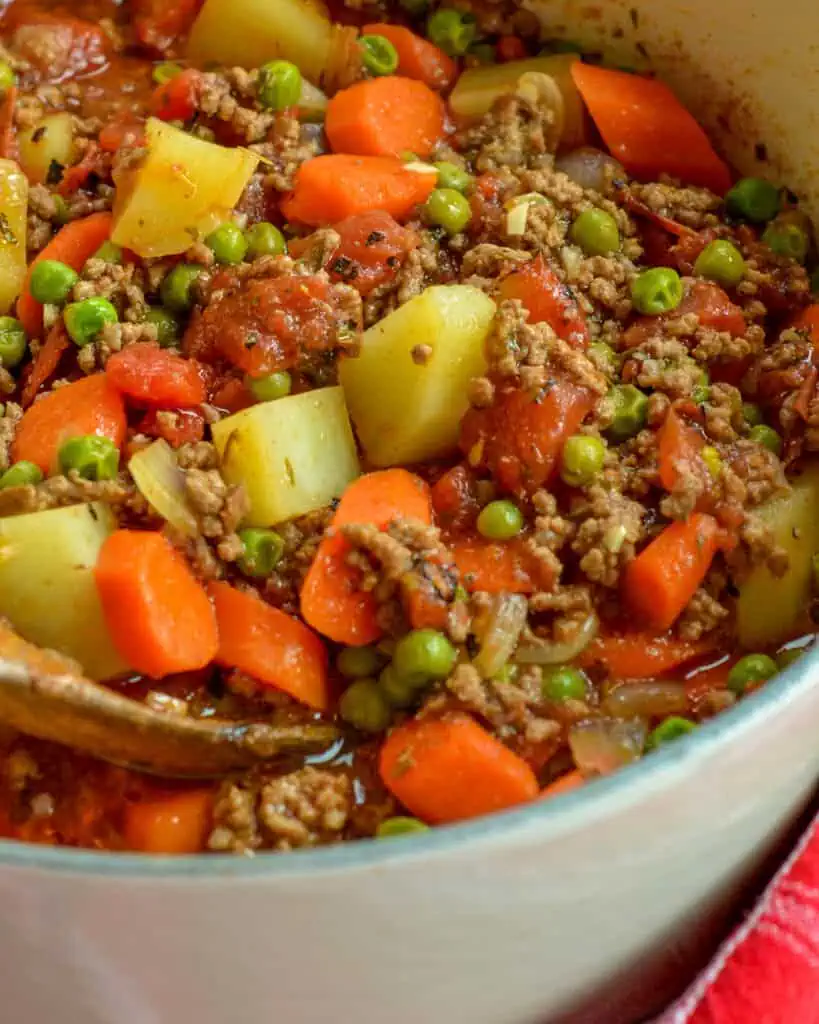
(123, 131)
(182, 426)
(59, 46)
(519, 438)
(231, 394)
(510, 48)
(175, 100)
(159, 22)
(372, 247)
(711, 304)
(454, 497)
(548, 300)
(678, 452)
(148, 375)
(94, 162)
(265, 326)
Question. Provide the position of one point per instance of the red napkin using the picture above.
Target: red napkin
(767, 972)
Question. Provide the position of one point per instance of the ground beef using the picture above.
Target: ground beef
(308, 807)
(515, 133)
(8, 427)
(694, 207)
(57, 491)
(609, 529)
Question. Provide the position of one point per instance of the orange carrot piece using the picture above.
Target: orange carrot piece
(330, 188)
(46, 362)
(450, 768)
(169, 822)
(495, 567)
(157, 612)
(662, 579)
(547, 299)
(808, 320)
(647, 129)
(417, 57)
(385, 117)
(640, 655)
(565, 784)
(88, 406)
(73, 245)
(271, 646)
(331, 601)
(678, 451)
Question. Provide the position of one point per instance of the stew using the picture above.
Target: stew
(395, 372)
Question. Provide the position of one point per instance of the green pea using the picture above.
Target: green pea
(423, 656)
(583, 458)
(452, 30)
(271, 387)
(722, 262)
(265, 239)
(109, 253)
(484, 53)
(500, 520)
(753, 199)
(400, 693)
(364, 706)
(13, 342)
(596, 232)
(227, 243)
(176, 290)
(788, 239)
(378, 55)
(767, 437)
(263, 550)
(358, 662)
(605, 358)
(666, 732)
(21, 474)
(656, 291)
(93, 457)
(713, 462)
(753, 668)
(629, 412)
(7, 76)
(452, 176)
(448, 209)
(752, 414)
(564, 683)
(165, 71)
(62, 214)
(51, 281)
(279, 85)
(390, 828)
(166, 324)
(84, 320)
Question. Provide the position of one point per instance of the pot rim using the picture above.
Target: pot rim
(562, 813)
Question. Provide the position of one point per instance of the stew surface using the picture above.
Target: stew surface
(398, 369)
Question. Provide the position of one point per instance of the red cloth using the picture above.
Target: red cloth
(767, 972)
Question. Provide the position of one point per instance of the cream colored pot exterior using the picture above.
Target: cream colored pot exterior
(590, 908)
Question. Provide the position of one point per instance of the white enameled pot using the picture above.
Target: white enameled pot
(593, 907)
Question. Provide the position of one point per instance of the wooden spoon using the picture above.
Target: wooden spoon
(44, 694)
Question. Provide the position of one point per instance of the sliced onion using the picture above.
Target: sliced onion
(312, 102)
(600, 746)
(590, 168)
(504, 622)
(649, 699)
(533, 651)
(419, 167)
(161, 483)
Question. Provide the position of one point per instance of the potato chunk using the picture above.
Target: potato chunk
(180, 192)
(13, 228)
(47, 588)
(407, 390)
(50, 141)
(770, 608)
(293, 455)
(251, 32)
